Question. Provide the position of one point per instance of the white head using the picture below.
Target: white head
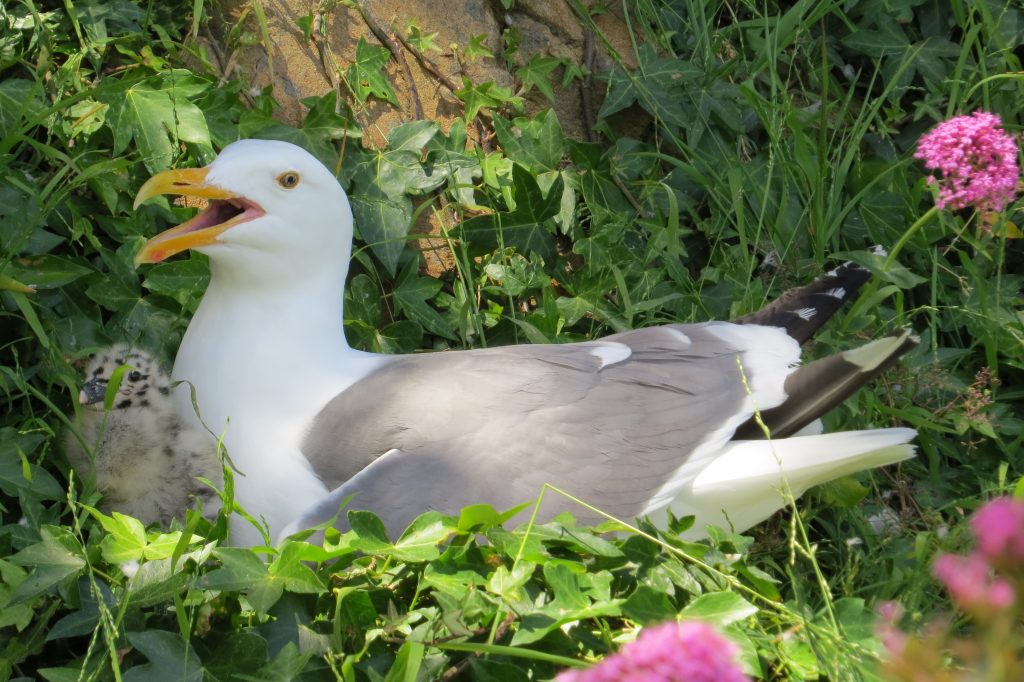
(275, 212)
(144, 384)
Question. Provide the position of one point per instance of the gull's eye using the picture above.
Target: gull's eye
(288, 179)
(134, 375)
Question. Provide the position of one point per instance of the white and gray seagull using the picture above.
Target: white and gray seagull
(637, 423)
(144, 457)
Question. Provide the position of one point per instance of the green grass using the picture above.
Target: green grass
(775, 128)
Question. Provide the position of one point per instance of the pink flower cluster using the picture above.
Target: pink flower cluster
(977, 159)
(999, 528)
(971, 580)
(691, 651)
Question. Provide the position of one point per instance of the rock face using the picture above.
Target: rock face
(310, 52)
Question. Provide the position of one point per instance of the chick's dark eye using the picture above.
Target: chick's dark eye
(134, 375)
(288, 180)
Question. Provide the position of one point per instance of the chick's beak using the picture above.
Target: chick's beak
(92, 392)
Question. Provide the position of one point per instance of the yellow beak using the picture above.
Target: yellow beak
(202, 230)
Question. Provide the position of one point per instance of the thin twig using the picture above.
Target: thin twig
(427, 65)
(587, 83)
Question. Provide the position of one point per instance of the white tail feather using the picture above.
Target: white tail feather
(751, 478)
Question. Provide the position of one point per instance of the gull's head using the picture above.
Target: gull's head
(273, 208)
(143, 382)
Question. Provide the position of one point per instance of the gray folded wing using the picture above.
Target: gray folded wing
(608, 421)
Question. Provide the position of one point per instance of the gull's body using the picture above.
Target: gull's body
(637, 423)
(143, 456)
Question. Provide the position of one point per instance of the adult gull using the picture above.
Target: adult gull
(641, 422)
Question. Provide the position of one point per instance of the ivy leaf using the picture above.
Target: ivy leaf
(242, 571)
(477, 49)
(20, 100)
(888, 39)
(522, 228)
(319, 133)
(537, 73)
(420, 541)
(58, 556)
(158, 115)
(423, 42)
(181, 279)
(411, 294)
(294, 575)
(487, 95)
(537, 143)
(383, 224)
(647, 605)
(366, 75)
(170, 658)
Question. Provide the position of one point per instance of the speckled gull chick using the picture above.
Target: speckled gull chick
(637, 423)
(145, 458)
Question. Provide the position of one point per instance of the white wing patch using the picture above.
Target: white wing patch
(805, 313)
(837, 292)
(611, 353)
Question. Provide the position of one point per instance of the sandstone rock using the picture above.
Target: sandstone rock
(303, 68)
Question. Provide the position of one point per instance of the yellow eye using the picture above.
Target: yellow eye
(288, 180)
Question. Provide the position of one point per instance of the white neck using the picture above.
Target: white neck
(272, 346)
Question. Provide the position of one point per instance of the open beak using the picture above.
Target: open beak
(225, 210)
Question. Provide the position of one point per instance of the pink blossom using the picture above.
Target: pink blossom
(691, 651)
(893, 639)
(999, 527)
(971, 584)
(977, 159)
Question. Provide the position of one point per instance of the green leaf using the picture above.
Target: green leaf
(171, 659)
(411, 294)
(157, 114)
(21, 100)
(487, 95)
(506, 583)
(412, 137)
(58, 556)
(366, 74)
(383, 224)
(407, 663)
(239, 570)
(537, 73)
(293, 574)
(522, 228)
(421, 539)
(126, 539)
(647, 605)
(482, 517)
(889, 39)
(371, 536)
(46, 271)
(425, 43)
(537, 143)
(181, 279)
(477, 48)
(18, 475)
(19, 218)
(720, 608)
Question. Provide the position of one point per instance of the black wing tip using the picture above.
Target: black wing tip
(803, 310)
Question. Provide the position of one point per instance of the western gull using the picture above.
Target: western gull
(144, 457)
(638, 423)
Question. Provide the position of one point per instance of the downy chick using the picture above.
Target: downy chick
(146, 456)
